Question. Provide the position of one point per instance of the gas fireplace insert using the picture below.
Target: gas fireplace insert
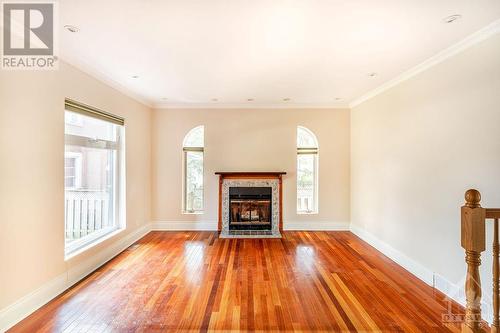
(250, 208)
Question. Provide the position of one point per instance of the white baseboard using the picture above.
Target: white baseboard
(28, 304)
(17, 311)
(451, 290)
(81, 270)
(20, 309)
(456, 292)
(184, 225)
(315, 226)
(420, 271)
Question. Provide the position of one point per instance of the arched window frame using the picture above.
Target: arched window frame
(308, 204)
(193, 201)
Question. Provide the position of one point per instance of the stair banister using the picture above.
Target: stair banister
(473, 235)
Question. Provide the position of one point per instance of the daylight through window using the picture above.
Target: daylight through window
(307, 171)
(193, 147)
(92, 169)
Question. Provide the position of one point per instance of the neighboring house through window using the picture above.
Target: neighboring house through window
(72, 170)
(93, 175)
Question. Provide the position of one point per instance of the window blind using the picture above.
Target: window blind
(192, 149)
(88, 110)
(307, 151)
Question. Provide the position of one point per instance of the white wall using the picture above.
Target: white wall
(415, 149)
(418, 147)
(252, 140)
(32, 177)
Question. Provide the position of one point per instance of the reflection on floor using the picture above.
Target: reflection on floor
(195, 281)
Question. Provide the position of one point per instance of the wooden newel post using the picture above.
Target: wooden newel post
(473, 241)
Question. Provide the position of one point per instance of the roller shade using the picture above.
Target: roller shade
(192, 148)
(90, 111)
(307, 150)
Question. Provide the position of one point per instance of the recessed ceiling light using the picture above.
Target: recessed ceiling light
(286, 99)
(71, 28)
(250, 99)
(135, 76)
(452, 18)
(214, 99)
(373, 74)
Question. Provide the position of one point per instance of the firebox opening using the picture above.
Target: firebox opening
(250, 208)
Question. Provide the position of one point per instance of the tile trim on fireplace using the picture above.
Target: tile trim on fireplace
(275, 202)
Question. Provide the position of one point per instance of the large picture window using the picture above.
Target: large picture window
(193, 147)
(307, 171)
(92, 175)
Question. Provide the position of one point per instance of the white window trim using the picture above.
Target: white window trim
(85, 243)
(88, 245)
(83, 141)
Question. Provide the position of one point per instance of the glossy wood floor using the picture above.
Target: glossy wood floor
(195, 282)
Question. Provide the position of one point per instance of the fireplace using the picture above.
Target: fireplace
(250, 208)
(250, 204)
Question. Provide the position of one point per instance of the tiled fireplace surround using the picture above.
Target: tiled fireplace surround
(250, 179)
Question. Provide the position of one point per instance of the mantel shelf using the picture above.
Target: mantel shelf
(251, 173)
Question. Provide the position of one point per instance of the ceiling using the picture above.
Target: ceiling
(260, 53)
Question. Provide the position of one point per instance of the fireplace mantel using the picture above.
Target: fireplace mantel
(275, 177)
(253, 174)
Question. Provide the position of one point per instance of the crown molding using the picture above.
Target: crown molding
(99, 75)
(477, 37)
(488, 31)
(250, 105)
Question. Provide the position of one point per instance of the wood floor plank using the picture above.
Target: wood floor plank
(196, 282)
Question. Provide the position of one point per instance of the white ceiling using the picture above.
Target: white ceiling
(310, 51)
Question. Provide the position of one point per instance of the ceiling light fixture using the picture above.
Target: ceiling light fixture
(71, 28)
(250, 99)
(373, 74)
(164, 98)
(286, 99)
(135, 76)
(452, 18)
(338, 98)
(214, 99)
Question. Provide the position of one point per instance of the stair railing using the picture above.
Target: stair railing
(473, 239)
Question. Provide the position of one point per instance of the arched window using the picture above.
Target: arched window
(307, 171)
(193, 146)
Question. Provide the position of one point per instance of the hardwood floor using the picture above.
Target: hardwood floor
(193, 281)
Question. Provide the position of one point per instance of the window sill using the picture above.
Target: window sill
(88, 245)
(192, 213)
(307, 213)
